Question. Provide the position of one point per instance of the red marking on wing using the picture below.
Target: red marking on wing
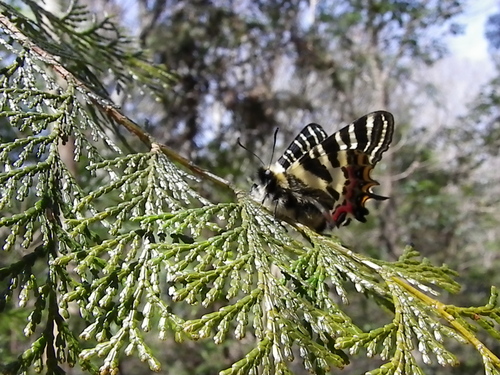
(346, 207)
(355, 194)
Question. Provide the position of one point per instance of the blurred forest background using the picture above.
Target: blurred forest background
(245, 67)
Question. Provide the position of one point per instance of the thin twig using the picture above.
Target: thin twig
(441, 310)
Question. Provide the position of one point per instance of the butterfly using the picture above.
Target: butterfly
(324, 181)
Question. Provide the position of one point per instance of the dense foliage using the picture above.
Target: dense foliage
(116, 248)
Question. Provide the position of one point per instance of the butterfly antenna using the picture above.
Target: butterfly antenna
(274, 144)
(250, 152)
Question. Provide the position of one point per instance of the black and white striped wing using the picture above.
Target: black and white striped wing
(311, 136)
(341, 164)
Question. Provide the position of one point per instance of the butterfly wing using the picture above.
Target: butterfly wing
(311, 136)
(341, 164)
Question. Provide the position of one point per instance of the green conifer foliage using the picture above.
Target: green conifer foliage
(117, 243)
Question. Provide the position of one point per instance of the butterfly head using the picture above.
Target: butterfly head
(271, 181)
(271, 174)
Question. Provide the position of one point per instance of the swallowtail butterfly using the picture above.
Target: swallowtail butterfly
(322, 181)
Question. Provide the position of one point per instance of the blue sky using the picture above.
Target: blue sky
(473, 45)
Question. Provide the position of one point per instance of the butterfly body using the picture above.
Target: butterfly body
(324, 181)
